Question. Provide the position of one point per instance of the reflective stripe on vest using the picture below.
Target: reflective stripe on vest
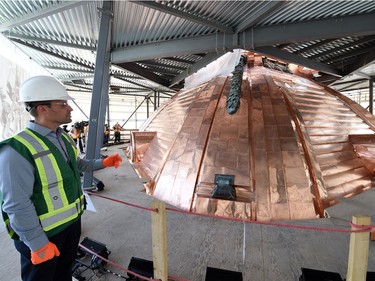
(72, 142)
(54, 219)
(59, 209)
(9, 228)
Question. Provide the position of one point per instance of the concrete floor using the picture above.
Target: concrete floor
(260, 252)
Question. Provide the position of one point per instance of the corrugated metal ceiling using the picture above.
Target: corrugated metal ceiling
(156, 44)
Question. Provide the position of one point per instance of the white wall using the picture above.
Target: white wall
(15, 67)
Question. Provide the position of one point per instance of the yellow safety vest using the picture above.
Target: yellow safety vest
(57, 194)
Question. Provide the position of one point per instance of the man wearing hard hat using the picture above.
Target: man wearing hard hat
(40, 184)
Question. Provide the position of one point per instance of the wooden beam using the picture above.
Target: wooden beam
(358, 250)
(159, 241)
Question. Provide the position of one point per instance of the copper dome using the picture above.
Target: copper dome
(292, 149)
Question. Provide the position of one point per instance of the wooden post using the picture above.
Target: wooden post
(358, 250)
(159, 241)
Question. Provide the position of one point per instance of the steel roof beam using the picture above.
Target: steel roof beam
(125, 74)
(344, 47)
(132, 82)
(179, 47)
(51, 41)
(316, 45)
(357, 25)
(352, 84)
(87, 89)
(364, 75)
(135, 93)
(268, 8)
(39, 49)
(33, 16)
(357, 88)
(184, 61)
(338, 83)
(181, 14)
(292, 58)
(71, 78)
(336, 27)
(362, 62)
(160, 64)
(136, 69)
(67, 69)
(360, 53)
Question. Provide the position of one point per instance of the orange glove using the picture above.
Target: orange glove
(112, 160)
(48, 252)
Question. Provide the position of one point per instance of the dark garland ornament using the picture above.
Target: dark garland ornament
(233, 100)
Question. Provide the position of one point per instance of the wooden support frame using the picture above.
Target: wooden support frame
(159, 241)
(358, 250)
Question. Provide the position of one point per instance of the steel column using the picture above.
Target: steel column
(148, 107)
(99, 98)
(155, 103)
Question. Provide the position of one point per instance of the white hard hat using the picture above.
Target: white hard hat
(43, 88)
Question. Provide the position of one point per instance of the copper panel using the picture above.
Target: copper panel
(340, 178)
(292, 158)
(340, 167)
(273, 145)
(336, 156)
(303, 99)
(228, 132)
(277, 184)
(181, 189)
(317, 183)
(305, 210)
(356, 186)
(271, 132)
(368, 140)
(332, 124)
(327, 112)
(315, 140)
(316, 105)
(223, 208)
(281, 210)
(232, 152)
(287, 146)
(325, 148)
(331, 118)
(364, 147)
(139, 144)
(286, 132)
(283, 120)
(270, 118)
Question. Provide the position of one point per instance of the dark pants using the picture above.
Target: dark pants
(59, 268)
(117, 137)
(79, 141)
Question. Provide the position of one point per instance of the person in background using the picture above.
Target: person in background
(85, 133)
(77, 135)
(42, 206)
(117, 130)
(107, 132)
(65, 128)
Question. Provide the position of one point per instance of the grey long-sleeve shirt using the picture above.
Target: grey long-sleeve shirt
(17, 183)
